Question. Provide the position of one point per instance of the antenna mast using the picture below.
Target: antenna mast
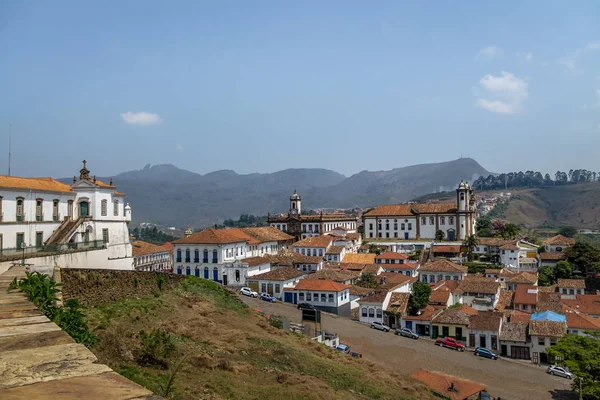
(9, 145)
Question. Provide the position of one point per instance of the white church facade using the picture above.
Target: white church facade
(46, 222)
(422, 221)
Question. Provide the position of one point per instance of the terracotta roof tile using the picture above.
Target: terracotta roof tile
(353, 236)
(394, 278)
(339, 275)
(360, 291)
(353, 266)
(509, 246)
(254, 261)
(291, 258)
(446, 249)
(483, 241)
(378, 297)
(267, 234)
(390, 210)
(439, 383)
(433, 208)
(560, 240)
(585, 303)
(398, 303)
(320, 285)
(169, 247)
(391, 255)
(41, 184)
(478, 285)
(578, 320)
(450, 284)
(141, 248)
(547, 328)
(456, 316)
(426, 314)
(315, 241)
(443, 266)
(571, 283)
(552, 256)
(514, 332)
(406, 265)
(359, 258)
(523, 277)
(214, 236)
(440, 296)
(505, 300)
(518, 316)
(371, 269)
(526, 294)
(486, 321)
(548, 302)
(279, 274)
(337, 250)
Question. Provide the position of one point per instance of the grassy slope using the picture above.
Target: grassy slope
(232, 352)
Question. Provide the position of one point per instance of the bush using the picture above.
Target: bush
(155, 347)
(42, 291)
(275, 321)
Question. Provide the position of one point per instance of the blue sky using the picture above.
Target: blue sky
(259, 86)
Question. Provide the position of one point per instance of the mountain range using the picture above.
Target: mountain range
(167, 195)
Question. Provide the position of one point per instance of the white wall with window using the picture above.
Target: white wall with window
(435, 276)
(311, 251)
(324, 298)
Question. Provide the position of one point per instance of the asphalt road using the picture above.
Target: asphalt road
(512, 380)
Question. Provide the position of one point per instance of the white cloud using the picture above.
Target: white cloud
(140, 118)
(489, 52)
(529, 57)
(508, 93)
(570, 62)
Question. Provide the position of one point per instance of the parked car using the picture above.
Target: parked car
(450, 343)
(343, 348)
(379, 326)
(306, 306)
(246, 291)
(487, 353)
(267, 297)
(407, 333)
(559, 371)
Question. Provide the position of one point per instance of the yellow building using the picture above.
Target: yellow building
(452, 322)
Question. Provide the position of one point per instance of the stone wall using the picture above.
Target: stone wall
(97, 286)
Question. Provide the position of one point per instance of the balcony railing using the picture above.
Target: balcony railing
(39, 217)
(7, 254)
(187, 259)
(21, 218)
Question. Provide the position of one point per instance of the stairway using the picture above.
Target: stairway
(64, 231)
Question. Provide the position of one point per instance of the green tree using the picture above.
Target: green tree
(420, 296)
(439, 236)
(368, 280)
(567, 231)
(547, 275)
(563, 270)
(511, 231)
(583, 256)
(470, 242)
(581, 355)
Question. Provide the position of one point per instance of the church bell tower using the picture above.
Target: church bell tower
(295, 204)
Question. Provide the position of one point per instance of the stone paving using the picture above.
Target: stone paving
(40, 361)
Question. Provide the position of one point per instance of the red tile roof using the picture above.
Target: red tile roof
(434, 208)
(140, 248)
(36, 184)
(267, 234)
(398, 303)
(440, 384)
(578, 320)
(585, 303)
(320, 285)
(560, 240)
(446, 249)
(394, 278)
(552, 256)
(391, 255)
(486, 321)
(336, 250)
(478, 285)
(426, 314)
(279, 274)
(547, 328)
(440, 296)
(505, 300)
(338, 275)
(315, 241)
(443, 266)
(390, 210)
(216, 236)
(526, 294)
(359, 258)
(254, 261)
(517, 316)
(571, 283)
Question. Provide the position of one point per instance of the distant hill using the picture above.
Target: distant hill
(576, 205)
(167, 195)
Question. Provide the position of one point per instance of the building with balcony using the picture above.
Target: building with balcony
(42, 217)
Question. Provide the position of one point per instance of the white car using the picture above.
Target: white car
(246, 291)
(559, 371)
(379, 326)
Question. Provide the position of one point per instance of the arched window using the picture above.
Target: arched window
(237, 275)
(188, 270)
(179, 271)
(197, 272)
(55, 203)
(196, 256)
(39, 215)
(178, 255)
(205, 256)
(187, 255)
(104, 207)
(215, 258)
(205, 272)
(116, 206)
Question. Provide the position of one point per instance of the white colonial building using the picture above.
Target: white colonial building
(41, 218)
(304, 226)
(422, 221)
(218, 254)
(150, 257)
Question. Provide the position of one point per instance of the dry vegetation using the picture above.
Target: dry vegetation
(220, 349)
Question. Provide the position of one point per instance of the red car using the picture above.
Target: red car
(451, 343)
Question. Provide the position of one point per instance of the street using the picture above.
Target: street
(510, 380)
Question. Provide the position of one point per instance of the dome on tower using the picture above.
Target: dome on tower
(463, 185)
(295, 195)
